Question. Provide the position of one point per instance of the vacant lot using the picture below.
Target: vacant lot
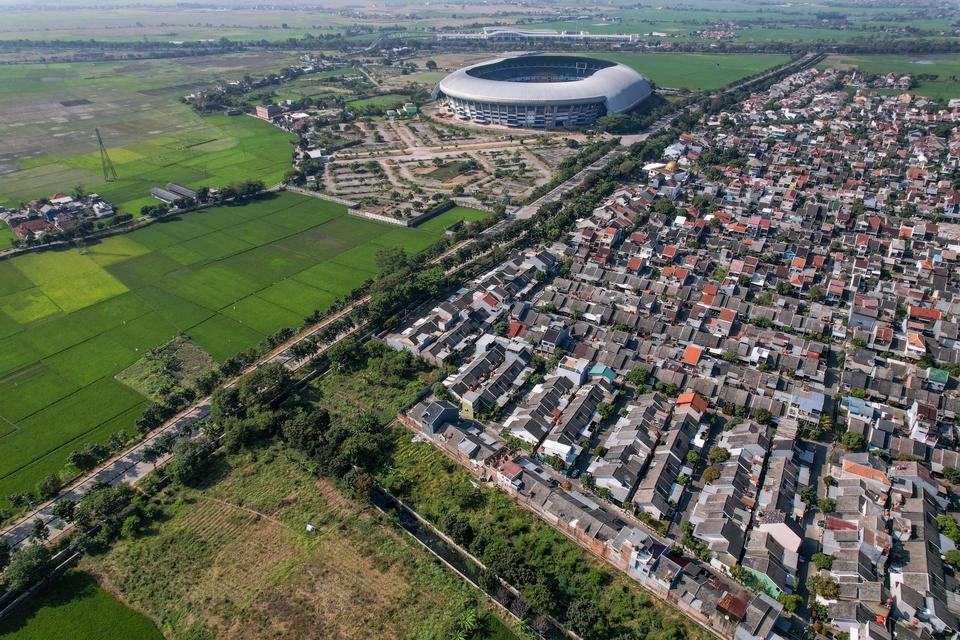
(76, 607)
(235, 561)
(942, 72)
(226, 277)
(693, 70)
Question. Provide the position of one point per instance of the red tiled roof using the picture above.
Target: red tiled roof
(693, 400)
(691, 355)
(924, 313)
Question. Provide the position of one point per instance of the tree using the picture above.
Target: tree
(306, 430)
(637, 376)
(431, 65)
(346, 356)
(103, 505)
(38, 530)
(949, 527)
(854, 441)
(952, 558)
(49, 486)
(819, 612)
(951, 474)
(828, 589)
(605, 410)
(190, 456)
(826, 505)
(83, 460)
(27, 565)
(583, 615)
(459, 529)
(693, 457)
(711, 474)
(717, 455)
(790, 602)
(762, 416)
(151, 454)
(4, 553)
(64, 509)
(822, 560)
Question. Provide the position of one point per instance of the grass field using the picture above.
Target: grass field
(234, 560)
(946, 68)
(386, 101)
(448, 170)
(226, 277)
(76, 607)
(693, 70)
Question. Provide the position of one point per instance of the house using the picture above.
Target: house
(268, 111)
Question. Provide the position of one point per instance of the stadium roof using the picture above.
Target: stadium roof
(620, 87)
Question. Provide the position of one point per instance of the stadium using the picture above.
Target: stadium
(542, 91)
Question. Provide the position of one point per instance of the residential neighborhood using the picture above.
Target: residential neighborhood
(737, 380)
(59, 214)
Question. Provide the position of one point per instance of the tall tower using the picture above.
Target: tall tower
(109, 172)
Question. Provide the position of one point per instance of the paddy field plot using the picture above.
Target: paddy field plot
(48, 113)
(225, 277)
(937, 75)
(695, 71)
(76, 607)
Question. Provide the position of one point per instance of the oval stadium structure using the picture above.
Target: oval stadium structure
(542, 91)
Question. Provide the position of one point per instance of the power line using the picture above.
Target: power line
(109, 172)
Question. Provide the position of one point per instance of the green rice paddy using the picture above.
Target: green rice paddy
(696, 71)
(50, 112)
(76, 607)
(229, 149)
(945, 69)
(226, 277)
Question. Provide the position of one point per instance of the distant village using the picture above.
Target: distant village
(56, 215)
(738, 380)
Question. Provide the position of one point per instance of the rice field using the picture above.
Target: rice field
(76, 607)
(228, 149)
(941, 72)
(50, 112)
(226, 277)
(696, 71)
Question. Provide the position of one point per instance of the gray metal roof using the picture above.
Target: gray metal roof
(618, 86)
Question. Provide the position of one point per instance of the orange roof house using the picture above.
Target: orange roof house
(851, 468)
(692, 400)
(691, 355)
